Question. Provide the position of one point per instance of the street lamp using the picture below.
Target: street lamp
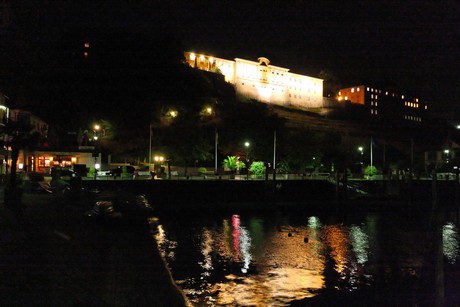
(447, 151)
(247, 144)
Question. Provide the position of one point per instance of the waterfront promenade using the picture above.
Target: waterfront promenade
(54, 256)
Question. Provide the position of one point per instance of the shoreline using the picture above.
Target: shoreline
(55, 256)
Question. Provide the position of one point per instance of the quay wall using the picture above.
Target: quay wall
(427, 192)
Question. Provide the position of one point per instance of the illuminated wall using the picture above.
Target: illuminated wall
(263, 81)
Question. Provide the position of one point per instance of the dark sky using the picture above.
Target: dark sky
(413, 45)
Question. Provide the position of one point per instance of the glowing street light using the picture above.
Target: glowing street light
(159, 158)
(447, 151)
(247, 144)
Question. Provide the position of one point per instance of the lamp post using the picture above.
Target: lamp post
(360, 149)
(447, 151)
(150, 148)
(247, 144)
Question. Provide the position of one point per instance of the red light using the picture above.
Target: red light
(85, 54)
(86, 45)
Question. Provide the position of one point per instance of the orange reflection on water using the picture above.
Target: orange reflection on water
(288, 267)
(336, 237)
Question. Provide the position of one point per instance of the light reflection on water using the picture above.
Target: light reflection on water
(239, 260)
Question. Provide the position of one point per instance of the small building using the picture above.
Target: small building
(43, 161)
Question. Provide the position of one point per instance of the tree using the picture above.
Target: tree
(233, 163)
(18, 137)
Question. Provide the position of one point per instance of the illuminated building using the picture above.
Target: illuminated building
(264, 82)
(385, 104)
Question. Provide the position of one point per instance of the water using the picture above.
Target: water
(282, 259)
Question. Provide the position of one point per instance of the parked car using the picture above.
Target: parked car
(62, 173)
(117, 172)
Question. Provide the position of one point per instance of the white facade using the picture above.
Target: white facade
(263, 81)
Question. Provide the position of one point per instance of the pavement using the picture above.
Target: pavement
(56, 256)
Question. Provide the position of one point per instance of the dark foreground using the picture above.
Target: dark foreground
(55, 256)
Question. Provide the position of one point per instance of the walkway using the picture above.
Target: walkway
(57, 257)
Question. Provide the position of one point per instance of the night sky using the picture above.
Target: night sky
(413, 46)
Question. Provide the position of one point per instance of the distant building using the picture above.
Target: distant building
(263, 81)
(386, 105)
(38, 126)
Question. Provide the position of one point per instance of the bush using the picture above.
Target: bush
(370, 170)
(202, 170)
(257, 168)
(92, 172)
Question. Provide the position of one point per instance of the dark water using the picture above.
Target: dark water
(300, 258)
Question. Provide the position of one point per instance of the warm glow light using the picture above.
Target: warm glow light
(73, 160)
(97, 127)
(211, 59)
(159, 158)
(192, 56)
(21, 166)
(246, 144)
(209, 110)
(173, 113)
(201, 58)
(97, 166)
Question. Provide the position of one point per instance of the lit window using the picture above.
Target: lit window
(340, 94)
(346, 97)
(372, 96)
(416, 99)
(372, 89)
(372, 103)
(357, 89)
(402, 96)
(376, 97)
(376, 103)
(201, 58)
(386, 93)
(372, 111)
(192, 56)
(353, 90)
(376, 112)
(426, 107)
(368, 89)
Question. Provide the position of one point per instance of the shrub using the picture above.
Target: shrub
(370, 170)
(257, 168)
(202, 170)
(233, 163)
